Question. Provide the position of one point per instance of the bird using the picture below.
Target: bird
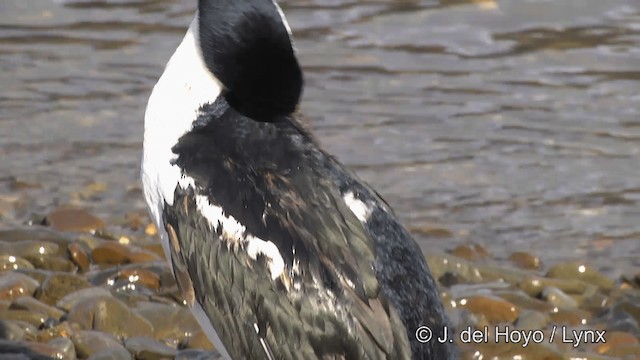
(280, 251)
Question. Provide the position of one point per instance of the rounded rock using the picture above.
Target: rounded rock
(67, 218)
(65, 347)
(494, 309)
(145, 348)
(58, 285)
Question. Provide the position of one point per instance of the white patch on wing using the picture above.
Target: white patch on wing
(235, 234)
(361, 210)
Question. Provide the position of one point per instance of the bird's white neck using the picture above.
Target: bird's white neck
(183, 88)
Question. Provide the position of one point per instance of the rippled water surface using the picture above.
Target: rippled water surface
(514, 124)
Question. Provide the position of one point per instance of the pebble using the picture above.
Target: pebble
(29, 317)
(579, 271)
(531, 320)
(174, 325)
(79, 253)
(98, 345)
(68, 218)
(14, 285)
(57, 285)
(616, 339)
(110, 315)
(10, 262)
(33, 305)
(494, 309)
(65, 348)
(112, 300)
(525, 260)
(70, 300)
(113, 253)
(558, 299)
(145, 348)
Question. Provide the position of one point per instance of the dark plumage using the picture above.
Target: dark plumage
(261, 193)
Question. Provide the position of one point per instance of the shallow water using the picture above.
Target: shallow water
(514, 124)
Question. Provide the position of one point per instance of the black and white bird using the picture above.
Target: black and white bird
(280, 251)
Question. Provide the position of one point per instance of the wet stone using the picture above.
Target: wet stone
(110, 253)
(65, 348)
(521, 299)
(14, 285)
(145, 348)
(173, 325)
(558, 299)
(61, 330)
(494, 309)
(199, 340)
(470, 252)
(10, 262)
(143, 277)
(533, 285)
(45, 349)
(67, 218)
(531, 320)
(33, 233)
(89, 343)
(79, 254)
(38, 274)
(32, 318)
(616, 339)
(110, 315)
(525, 260)
(442, 263)
(57, 285)
(33, 305)
(72, 299)
(579, 271)
(504, 351)
(9, 330)
(192, 354)
(572, 317)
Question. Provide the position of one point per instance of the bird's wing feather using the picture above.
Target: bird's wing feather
(325, 302)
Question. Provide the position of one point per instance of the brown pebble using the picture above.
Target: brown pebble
(79, 254)
(465, 252)
(30, 317)
(70, 300)
(173, 325)
(142, 256)
(88, 343)
(616, 339)
(57, 285)
(142, 276)
(501, 350)
(14, 285)
(574, 317)
(61, 330)
(495, 310)
(45, 349)
(110, 315)
(10, 262)
(155, 248)
(582, 272)
(199, 341)
(110, 253)
(525, 260)
(67, 218)
(33, 305)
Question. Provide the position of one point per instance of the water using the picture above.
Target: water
(514, 124)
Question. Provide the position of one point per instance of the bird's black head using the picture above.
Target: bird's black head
(246, 45)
